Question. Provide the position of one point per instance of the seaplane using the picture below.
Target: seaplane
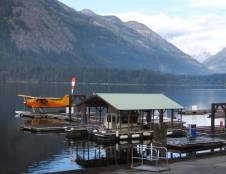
(45, 102)
(37, 104)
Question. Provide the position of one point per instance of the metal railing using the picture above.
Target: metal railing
(150, 153)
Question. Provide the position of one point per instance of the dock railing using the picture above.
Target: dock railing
(152, 154)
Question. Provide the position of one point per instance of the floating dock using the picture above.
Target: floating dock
(106, 137)
(197, 144)
(47, 115)
(49, 128)
(207, 130)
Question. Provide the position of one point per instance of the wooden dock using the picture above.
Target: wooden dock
(206, 130)
(197, 144)
(115, 136)
(47, 128)
(50, 128)
(47, 115)
(54, 125)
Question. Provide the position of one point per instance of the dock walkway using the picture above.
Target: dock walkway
(212, 164)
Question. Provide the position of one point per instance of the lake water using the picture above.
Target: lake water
(41, 153)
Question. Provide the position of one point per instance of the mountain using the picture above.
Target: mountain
(202, 56)
(217, 63)
(45, 35)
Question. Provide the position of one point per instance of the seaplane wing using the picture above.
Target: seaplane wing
(25, 96)
(32, 97)
(45, 102)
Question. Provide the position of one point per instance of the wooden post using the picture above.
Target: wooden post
(129, 117)
(181, 115)
(89, 114)
(83, 150)
(70, 103)
(99, 114)
(224, 109)
(161, 116)
(224, 121)
(172, 116)
(96, 114)
(149, 115)
(213, 118)
(88, 150)
(99, 151)
(142, 115)
(84, 115)
(120, 121)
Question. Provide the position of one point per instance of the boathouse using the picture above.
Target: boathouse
(120, 110)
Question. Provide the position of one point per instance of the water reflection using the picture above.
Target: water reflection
(77, 155)
(61, 162)
(88, 154)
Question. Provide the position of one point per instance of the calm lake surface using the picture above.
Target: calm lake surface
(41, 153)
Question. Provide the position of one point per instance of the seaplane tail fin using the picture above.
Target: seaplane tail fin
(65, 100)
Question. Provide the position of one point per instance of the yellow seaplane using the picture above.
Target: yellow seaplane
(45, 102)
(48, 102)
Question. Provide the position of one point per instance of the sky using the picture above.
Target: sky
(197, 27)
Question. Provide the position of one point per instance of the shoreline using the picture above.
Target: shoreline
(119, 84)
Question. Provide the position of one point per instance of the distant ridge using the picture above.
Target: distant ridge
(217, 63)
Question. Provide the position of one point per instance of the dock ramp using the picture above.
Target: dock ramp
(149, 158)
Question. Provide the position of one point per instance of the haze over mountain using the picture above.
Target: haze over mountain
(217, 63)
(39, 35)
(201, 57)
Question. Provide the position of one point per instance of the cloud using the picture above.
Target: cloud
(161, 23)
(209, 3)
(198, 34)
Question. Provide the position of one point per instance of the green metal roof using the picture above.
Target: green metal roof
(123, 101)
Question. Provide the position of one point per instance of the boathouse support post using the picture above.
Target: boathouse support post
(181, 115)
(99, 109)
(213, 110)
(84, 115)
(149, 115)
(129, 121)
(161, 116)
(120, 120)
(100, 115)
(142, 119)
(151, 120)
(108, 120)
(89, 113)
(225, 119)
(172, 116)
(224, 109)
(97, 115)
